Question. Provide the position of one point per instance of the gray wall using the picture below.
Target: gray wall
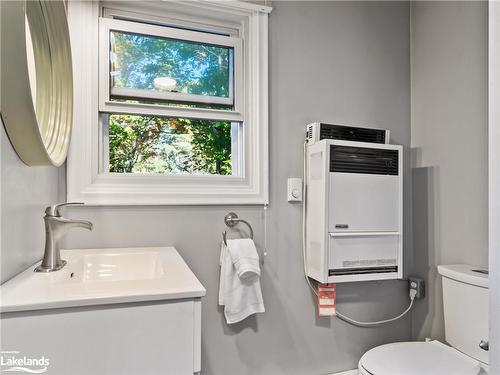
(449, 143)
(330, 61)
(25, 192)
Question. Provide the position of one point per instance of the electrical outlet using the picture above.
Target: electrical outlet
(417, 284)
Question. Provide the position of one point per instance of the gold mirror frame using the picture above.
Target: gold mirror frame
(39, 129)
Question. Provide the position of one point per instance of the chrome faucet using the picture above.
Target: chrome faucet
(55, 228)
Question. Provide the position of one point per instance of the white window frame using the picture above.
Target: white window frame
(87, 183)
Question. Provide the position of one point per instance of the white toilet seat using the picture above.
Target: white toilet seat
(417, 358)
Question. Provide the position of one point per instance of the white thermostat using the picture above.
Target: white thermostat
(294, 191)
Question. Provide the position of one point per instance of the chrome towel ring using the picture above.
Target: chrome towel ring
(231, 220)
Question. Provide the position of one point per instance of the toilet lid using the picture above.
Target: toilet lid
(417, 358)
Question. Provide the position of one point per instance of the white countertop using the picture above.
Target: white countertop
(103, 276)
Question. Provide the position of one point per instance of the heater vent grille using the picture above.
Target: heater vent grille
(350, 133)
(358, 271)
(364, 160)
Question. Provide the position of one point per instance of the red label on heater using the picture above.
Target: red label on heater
(327, 294)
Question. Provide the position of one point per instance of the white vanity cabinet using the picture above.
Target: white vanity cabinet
(146, 324)
(135, 338)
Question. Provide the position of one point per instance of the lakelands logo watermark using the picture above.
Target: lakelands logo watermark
(13, 361)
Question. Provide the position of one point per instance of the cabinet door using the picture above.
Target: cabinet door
(134, 338)
(364, 203)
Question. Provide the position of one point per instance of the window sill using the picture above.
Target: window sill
(111, 189)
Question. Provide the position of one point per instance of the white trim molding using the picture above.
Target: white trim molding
(238, 5)
(87, 182)
(494, 184)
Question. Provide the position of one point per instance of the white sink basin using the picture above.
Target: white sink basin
(103, 276)
(112, 265)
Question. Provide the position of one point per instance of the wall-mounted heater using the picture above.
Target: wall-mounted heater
(318, 131)
(354, 211)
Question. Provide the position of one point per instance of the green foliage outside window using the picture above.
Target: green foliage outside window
(151, 144)
(199, 69)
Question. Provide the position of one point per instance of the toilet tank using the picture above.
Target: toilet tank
(465, 303)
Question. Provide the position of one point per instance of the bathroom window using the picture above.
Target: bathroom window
(150, 72)
(178, 93)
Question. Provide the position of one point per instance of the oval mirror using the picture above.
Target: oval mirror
(36, 99)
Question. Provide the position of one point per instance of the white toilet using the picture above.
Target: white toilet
(465, 299)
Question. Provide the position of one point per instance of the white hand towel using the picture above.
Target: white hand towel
(239, 288)
(244, 257)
